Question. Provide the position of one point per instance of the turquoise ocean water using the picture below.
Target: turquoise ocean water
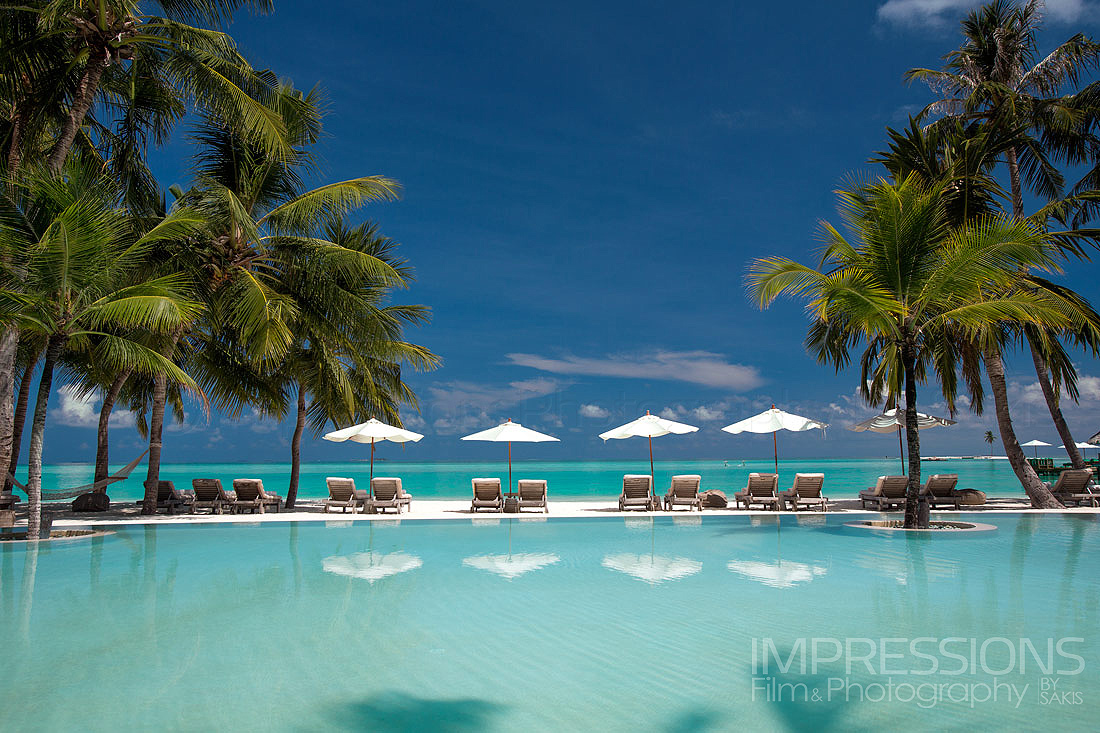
(533, 624)
(567, 479)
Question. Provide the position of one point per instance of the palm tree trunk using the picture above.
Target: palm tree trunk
(101, 446)
(1052, 405)
(15, 143)
(296, 448)
(20, 418)
(85, 95)
(9, 345)
(912, 433)
(1014, 179)
(38, 431)
(1040, 496)
(156, 429)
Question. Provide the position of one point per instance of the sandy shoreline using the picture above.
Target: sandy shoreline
(436, 509)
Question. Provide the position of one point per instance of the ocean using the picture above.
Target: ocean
(577, 480)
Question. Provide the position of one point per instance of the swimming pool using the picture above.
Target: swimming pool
(541, 624)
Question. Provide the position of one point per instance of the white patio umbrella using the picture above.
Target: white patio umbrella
(772, 421)
(1036, 444)
(1080, 445)
(894, 420)
(372, 431)
(511, 432)
(648, 426)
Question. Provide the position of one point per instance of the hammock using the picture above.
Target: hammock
(78, 490)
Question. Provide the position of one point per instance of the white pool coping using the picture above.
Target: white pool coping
(437, 509)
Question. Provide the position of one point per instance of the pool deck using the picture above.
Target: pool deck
(310, 510)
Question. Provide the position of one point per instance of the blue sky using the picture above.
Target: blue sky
(585, 184)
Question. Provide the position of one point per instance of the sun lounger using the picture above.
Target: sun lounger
(761, 489)
(8, 500)
(1072, 488)
(388, 494)
(637, 493)
(251, 495)
(805, 491)
(209, 494)
(888, 491)
(684, 491)
(170, 499)
(342, 493)
(940, 489)
(487, 495)
(532, 494)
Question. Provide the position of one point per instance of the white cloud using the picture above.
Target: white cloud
(467, 406)
(83, 412)
(453, 396)
(593, 411)
(940, 13)
(695, 367)
(702, 413)
(413, 422)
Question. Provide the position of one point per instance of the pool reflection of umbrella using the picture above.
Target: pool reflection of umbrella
(772, 421)
(511, 432)
(652, 569)
(512, 566)
(371, 566)
(894, 420)
(650, 427)
(372, 431)
(779, 574)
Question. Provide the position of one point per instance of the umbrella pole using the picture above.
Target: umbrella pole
(652, 487)
(509, 468)
(775, 449)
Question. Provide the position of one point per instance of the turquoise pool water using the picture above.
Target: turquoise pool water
(844, 477)
(532, 624)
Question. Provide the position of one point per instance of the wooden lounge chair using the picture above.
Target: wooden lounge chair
(487, 495)
(8, 500)
(532, 494)
(761, 489)
(684, 491)
(251, 495)
(888, 491)
(805, 491)
(637, 493)
(940, 489)
(388, 494)
(170, 499)
(1072, 488)
(342, 493)
(209, 494)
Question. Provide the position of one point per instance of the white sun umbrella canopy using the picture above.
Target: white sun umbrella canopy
(511, 432)
(772, 421)
(894, 420)
(372, 431)
(1037, 444)
(650, 427)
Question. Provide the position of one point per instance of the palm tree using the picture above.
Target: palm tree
(960, 157)
(257, 215)
(106, 76)
(83, 261)
(905, 286)
(997, 77)
(988, 438)
(347, 358)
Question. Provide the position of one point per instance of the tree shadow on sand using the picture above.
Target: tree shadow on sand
(396, 711)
